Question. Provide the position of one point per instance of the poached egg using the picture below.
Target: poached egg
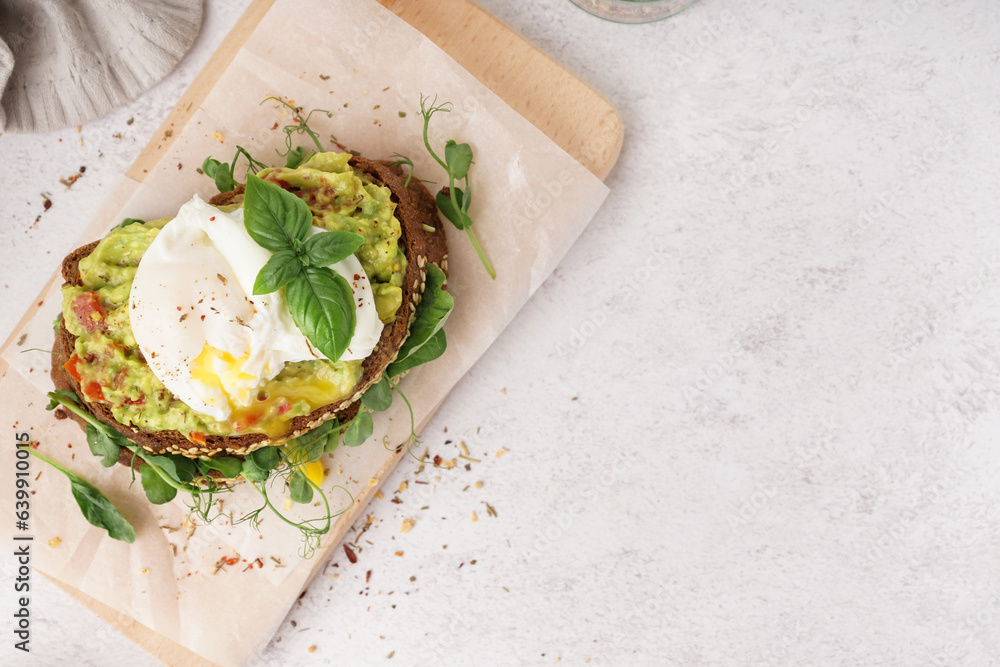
(203, 332)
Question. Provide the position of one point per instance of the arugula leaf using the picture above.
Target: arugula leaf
(103, 445)
(460, 219)
(265, 458)
(459, 158)
(360, 430)
(378, 397)
(220, 172)
(158, 491)
(229, 466)
(433, 311)
(130, 221)
(429, 351)
(322, 307)
(301, 490)
(280, 269)
(94, 505)
(274, 218)
(328, 248)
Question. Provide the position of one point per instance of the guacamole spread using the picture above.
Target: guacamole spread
(110, 368)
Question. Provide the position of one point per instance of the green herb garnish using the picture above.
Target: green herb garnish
(94, 505)
(320, 300)
(452, 201)
(224, 174)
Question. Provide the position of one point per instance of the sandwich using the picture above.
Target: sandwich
(241, 336)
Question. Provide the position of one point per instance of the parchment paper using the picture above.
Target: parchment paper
(531, 200)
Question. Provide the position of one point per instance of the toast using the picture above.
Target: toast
(416, 212)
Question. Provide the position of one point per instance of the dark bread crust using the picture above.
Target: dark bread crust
(415, 207)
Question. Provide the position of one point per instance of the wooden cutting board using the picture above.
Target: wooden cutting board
(566, 109)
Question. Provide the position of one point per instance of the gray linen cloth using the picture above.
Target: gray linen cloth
(64, 62)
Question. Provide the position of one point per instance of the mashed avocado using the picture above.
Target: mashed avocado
(109, 366)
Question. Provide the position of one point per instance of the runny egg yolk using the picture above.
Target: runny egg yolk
(216, 369)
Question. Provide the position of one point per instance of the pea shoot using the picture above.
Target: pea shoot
(453, 202)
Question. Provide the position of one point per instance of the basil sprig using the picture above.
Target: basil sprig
(320, 300)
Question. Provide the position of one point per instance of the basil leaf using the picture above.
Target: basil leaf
(157, 490)
(253, 472)
(359, 430)
(102, 445)
(280, 269)
(265, 458)
(459, 159)
(435, 306)
(221, 173)
(98, 510)
(180, 468)
(274, 217)
(328, 248)
(429, 351)
(378, 397)
(460, 220)
(301, 490)
(229, 466)
(322, 307)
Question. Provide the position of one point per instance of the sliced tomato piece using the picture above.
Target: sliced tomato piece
(88, 310)
(73, 367)
(93, 391)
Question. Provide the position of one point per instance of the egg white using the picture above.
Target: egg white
(201, 329)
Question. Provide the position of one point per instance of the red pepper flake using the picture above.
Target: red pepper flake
(437, 460)
(212, 219)
(357, 277)
(232, 561)
(368, 576)
(351, 556)
(202, 318)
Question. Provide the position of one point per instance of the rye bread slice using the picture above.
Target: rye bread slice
(415, 208)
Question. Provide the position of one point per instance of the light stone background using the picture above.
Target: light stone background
(751, 418)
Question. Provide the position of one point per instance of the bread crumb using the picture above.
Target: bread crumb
(312, 649)
(399, 553)
(474, 517)
(407, 525)
(378, 494)
(501, 452)
(143, 570)
(217, 136)
(55, 541)
(373, 481)
(478, 485)
(402, 486)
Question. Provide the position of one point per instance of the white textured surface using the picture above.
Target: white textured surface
(765, 441)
